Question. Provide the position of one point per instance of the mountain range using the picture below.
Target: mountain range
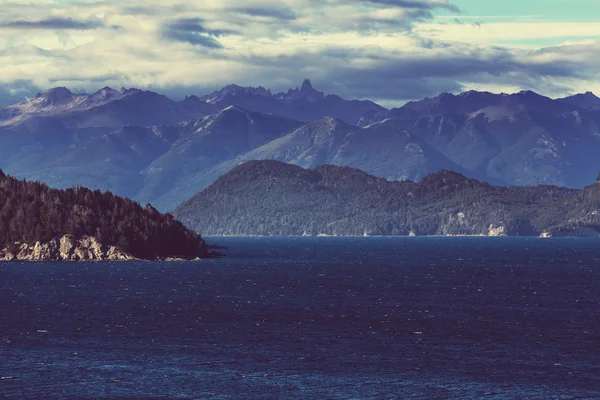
(271, 198)
(143, 145)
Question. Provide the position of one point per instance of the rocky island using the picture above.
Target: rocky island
(38, 223)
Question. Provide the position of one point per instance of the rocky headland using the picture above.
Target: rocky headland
(38, 223)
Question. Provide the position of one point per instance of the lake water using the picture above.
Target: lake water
(311, 318)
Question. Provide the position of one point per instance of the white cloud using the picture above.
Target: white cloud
(513, 32)
(360, 50)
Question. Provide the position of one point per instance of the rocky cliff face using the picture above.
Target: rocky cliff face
(65, 248)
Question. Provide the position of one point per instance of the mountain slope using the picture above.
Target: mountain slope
(144, 163)
(273, 198)
(201, 145)
(112, 161)
(381, 149)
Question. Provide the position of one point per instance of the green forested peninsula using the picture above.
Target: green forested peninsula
(32, 212)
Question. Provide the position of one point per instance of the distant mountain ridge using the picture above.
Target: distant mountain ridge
(114, 108)
(146, 146)
(275, 199)
(303, 104)
(472, 101)
(586, 100)
(521, 139)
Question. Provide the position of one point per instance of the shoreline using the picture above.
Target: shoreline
(211, 256)
(67, 248)
(403, 236)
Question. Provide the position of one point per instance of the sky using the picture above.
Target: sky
(389, 51)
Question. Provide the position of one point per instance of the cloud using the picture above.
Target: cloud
(408, 72)
(386, 50)
(191, 31)
(423, 4)
(276, 13)
(54, 23)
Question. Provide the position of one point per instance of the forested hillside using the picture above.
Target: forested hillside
(273, 198)
(32, 212)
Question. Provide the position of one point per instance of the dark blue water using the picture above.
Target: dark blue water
(311, 318)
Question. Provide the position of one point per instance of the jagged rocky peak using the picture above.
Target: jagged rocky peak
(106, 93)
(126, 91)
(255, 91)
(236, 90)
(57, 96)
(306, 92)
(192, 102)
(306, 86)
(191, 98)
(197, 105)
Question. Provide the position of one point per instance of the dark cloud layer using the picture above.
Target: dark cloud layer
(282, 14)
(54, 23)
(394, 77)
(191, 30)
(423, 5)
(373, 24)
(153, 10)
